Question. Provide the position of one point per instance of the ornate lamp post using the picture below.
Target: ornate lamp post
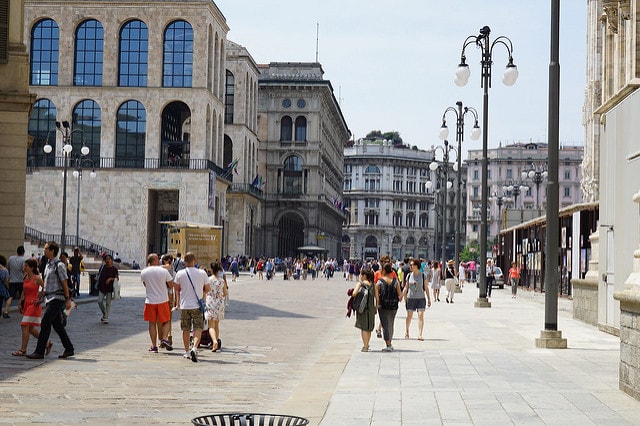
(475, 135)
(500, 199)
(65, 129)
(77, 173)
(446, 185)
(483, 42)
(537, 174)
(514, 189)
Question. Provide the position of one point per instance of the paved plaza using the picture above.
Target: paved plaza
(288, 349)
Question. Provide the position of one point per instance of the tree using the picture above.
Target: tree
(393, 136)
(470, 252)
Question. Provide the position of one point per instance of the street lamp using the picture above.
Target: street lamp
(462, 77)
(500, 199)
(446, 185)
(537, 174)
(65, 129)
(77, 173)
(515, 189)
(475, 135)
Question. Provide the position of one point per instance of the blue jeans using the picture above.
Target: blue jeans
(52, 317)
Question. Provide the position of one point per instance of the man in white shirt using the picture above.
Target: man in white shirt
(157, 280)
(191, 284)
(16, 276)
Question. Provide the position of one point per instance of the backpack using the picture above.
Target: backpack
(388, 294)
(361, 300)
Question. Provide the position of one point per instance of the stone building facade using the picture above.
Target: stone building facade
(15, 105)
(513, 198)
(394, 202)
(302, 135)
(142, 85)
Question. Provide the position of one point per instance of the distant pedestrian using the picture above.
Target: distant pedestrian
(514, 279)
(76, 262)
(157, 312)
(108, 274)
(462, 273)
(235, 272)
(490, 275)
(14, 266)
(435, 280)
(450, 280)
(191, 284)
(57, 297)
(366, 320)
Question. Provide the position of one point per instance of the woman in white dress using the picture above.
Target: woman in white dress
(215, 302)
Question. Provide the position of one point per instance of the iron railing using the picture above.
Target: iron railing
(40, 238)
(35, 162)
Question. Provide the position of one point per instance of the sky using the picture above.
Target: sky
(392, 64)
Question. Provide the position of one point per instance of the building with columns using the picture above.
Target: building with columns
(513, 198)
(302, 135)
(15, 104)
(147, 87)
(394, 202)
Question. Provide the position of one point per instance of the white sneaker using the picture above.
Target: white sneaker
(193, 355)
(186, 355)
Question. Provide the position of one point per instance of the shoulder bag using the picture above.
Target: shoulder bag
(201, 304)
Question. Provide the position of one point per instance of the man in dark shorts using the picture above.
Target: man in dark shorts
(14, 265)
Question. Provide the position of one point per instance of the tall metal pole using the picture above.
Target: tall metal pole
(551, 337)
(65, 156)
(78, 208)
(486, 74)
(444, 203)
(551, 261)
(459, 136)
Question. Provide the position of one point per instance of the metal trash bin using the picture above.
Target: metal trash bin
(93, 279)
(246, 419)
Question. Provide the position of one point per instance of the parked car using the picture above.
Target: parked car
(499, 278)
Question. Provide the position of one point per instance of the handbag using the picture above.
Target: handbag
(201, 304)
(361, 299)
(116, 288)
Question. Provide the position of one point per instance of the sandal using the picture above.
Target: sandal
(379, 334)
(19, 352)
(420, 338)
(406, 336)
(48, 347)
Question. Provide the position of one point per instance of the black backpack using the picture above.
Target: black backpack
(388, 294)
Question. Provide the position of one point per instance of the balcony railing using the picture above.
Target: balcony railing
(47, 161)
(245, 188)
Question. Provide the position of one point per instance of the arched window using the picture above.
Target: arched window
(292, 176)
(228, 98)
(424, 220)
(396, 240)
(411, 241)
(411, 220)
(87, 66)
(301, 129)
(397, 219)
(177, 67)
(286, 125)
(131, 129)
(41, 121)
(372, 170)
(44, 53)
(134, 54)
(88, 118)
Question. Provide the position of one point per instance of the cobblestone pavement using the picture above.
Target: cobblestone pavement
(273, 333)
(288, 349)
